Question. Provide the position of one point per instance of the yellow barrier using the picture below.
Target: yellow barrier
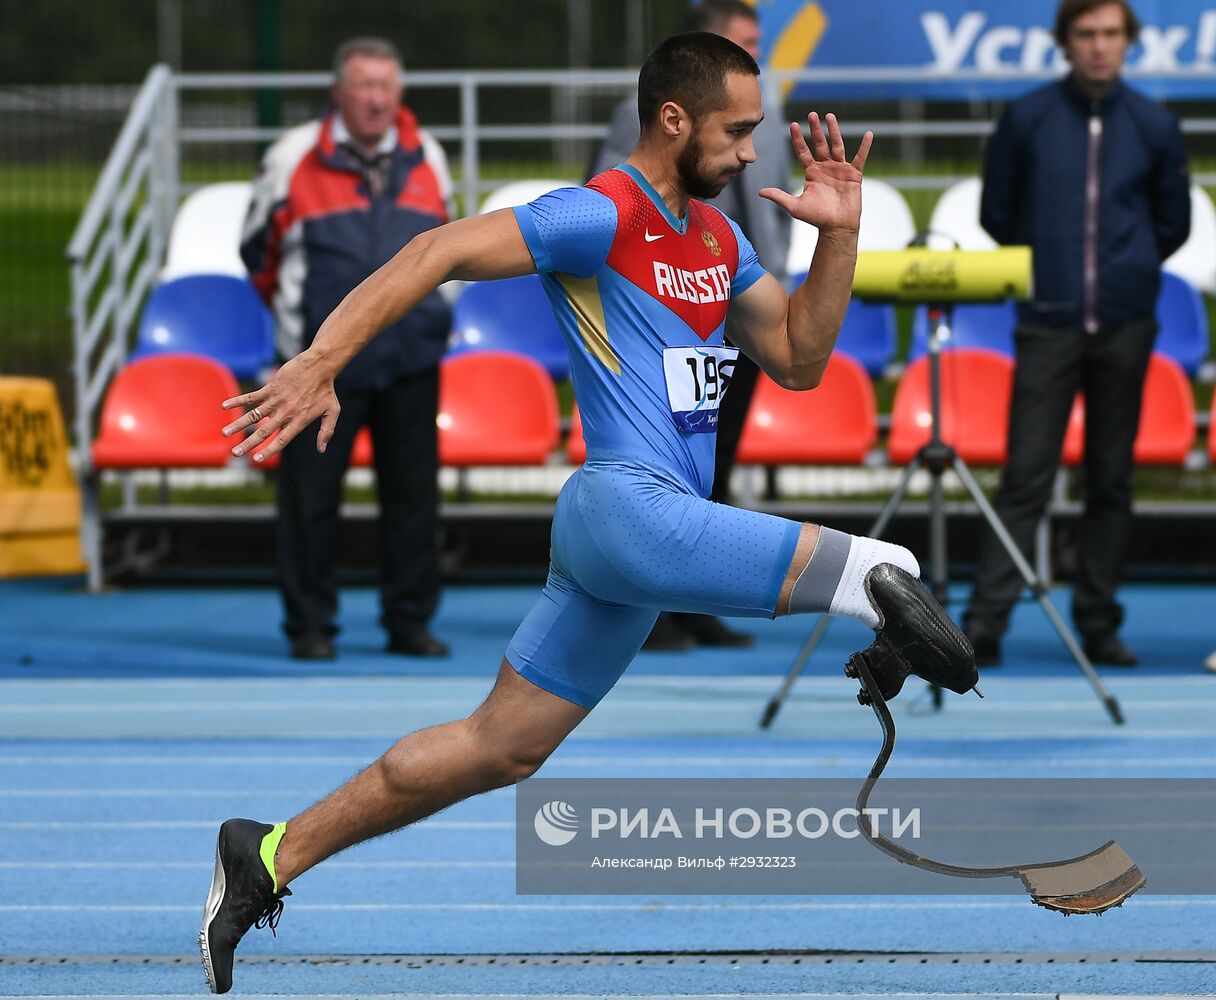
(39, 497)
(941, 276)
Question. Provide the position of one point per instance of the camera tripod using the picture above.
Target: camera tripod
(936, 457)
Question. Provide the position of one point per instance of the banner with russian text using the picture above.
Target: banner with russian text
(971, 49)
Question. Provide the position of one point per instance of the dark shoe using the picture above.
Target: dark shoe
(668, 637)
(706, 630)
(416, 642)
(1109, 651)
(242, 896)
(313, 646)
(914, 636)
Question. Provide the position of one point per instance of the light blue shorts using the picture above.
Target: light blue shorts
(629, 541)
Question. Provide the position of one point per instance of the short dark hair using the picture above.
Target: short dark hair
(715, 15)
(691, 70)
(369, 46)
(1070, 10)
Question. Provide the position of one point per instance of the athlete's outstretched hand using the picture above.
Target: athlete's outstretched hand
(295, 396)
(831, 198)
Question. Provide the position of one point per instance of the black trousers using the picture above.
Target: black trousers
(731, 416)
(402, 423)
(1052, 366)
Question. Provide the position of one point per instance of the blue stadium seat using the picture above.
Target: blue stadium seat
(216, 315)
(985, 326)
(512, 314)
(868, 335)
(1184, 323)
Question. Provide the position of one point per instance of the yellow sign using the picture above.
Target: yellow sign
(795, 46)
(918, 275)
(39, 497)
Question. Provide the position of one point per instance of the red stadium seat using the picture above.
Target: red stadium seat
(576, 447)
(163, 411)
(495, 408)
(1074, 436)
(361, 455)
(1212, 431)
(1166, 433)
(975, 390)
(834, 424)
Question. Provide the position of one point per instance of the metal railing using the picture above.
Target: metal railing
(114, 255)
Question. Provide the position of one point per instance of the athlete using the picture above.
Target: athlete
(643, 279)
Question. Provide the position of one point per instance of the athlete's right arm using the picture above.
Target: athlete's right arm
(478, 248)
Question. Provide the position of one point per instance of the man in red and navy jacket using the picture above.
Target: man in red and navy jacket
(336, 199)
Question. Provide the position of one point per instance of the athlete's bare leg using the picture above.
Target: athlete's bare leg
(504, 741)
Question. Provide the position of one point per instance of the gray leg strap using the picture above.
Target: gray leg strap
(816, 584)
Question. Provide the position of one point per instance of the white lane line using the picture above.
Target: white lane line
(214, 824)
(1164, 824)
(630, 683)
(582, 996)
(650, 906)
(724, 703)
(177, 760)
(1181, 789)
(208, 865)
(777, 759)
(152, 793)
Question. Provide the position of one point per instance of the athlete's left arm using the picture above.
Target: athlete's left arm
(792, 338)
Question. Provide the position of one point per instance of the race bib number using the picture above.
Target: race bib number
(697, 378)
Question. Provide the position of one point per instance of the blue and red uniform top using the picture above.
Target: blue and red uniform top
(641, 298)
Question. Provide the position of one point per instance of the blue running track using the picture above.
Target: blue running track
(132, 723)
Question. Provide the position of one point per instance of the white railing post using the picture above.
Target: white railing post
(118, 274)
(101, 245)
(90, 513)
(469, 153)
(171, 145)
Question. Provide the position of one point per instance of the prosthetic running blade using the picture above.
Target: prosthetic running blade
(1091, 883)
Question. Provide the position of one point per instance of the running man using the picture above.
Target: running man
(642, 279)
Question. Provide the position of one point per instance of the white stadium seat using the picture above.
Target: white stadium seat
(956, 216)
(886, 224)
(1195, 260)
(206, 233)
(520, 193)
(956, 219)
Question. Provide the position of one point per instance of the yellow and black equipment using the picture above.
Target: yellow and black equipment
(39, 497)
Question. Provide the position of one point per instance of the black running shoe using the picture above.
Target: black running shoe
(242, 896)
(914, 636)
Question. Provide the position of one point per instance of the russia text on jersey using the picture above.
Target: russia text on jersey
(709, 284)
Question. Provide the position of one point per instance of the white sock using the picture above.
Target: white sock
(850, 599)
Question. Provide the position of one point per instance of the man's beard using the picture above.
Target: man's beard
(690, 167)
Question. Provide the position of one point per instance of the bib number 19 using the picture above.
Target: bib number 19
(697, 379)
(708, 376)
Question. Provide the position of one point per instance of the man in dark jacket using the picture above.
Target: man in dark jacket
(1093, 176)
(335, 200)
